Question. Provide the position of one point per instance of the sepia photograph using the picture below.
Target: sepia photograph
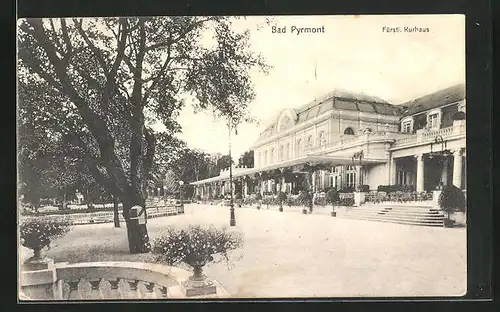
(241, 157)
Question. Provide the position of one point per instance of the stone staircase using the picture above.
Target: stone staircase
(424, 214)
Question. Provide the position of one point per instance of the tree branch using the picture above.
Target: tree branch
(171, 41)
(158, 76)
(95, 50)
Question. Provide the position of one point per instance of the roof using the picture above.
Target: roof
(442, 97)
(342, 100)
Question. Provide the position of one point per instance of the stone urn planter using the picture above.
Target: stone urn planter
(304, 211)
(36, 234)
(196, 246)
(198, 284)
(39, 260)
(333, 213)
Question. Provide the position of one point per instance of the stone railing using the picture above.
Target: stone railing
(424, 135)
(108, 216)
(107, 280)
(352, 139)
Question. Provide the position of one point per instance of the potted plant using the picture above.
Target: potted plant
(195, 247)
(332, 197)
(238, 199)
(258, 198)
(37, 233)
(450, 200)
(281, 198)
(305, 199)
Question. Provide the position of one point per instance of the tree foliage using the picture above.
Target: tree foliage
(247, 159)
(117, 76)
(224, 162)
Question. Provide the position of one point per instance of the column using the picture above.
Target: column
(245, 191)
(444, 173)
(358, 175)
(313, 182)
(392, 171)
(457, 168)
(420, 172)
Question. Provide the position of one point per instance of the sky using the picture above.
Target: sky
(354, 53)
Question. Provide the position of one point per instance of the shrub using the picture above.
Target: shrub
(451, 199)
(363, 188)
(346, 202)
(347, 189)
(37, 233)
(305, 198)
(195, 245)
(332, 196)
(281, 197)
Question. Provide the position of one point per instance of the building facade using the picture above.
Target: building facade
(358, 140)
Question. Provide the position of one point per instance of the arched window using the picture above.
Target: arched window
(322, 139)
(349, 131)
(272, 156)
(259, 159)
(299, 147)
(264, 161)
(287, 151)
(282, 151)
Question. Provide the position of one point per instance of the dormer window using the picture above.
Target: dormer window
(407, 125)
(434, 119)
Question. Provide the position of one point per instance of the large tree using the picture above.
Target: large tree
(120, 74)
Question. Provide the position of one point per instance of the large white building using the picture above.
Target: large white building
(358, 140)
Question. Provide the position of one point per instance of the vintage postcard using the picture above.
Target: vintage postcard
(197, 157)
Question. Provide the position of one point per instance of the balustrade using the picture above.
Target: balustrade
(423, 135)
(109, 280)
(107, 216)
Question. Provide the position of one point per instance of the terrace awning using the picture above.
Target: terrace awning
(311, 159)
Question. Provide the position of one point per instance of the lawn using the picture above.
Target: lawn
(293, 255)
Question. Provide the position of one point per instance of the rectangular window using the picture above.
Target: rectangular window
(434, 121)
(407, 127)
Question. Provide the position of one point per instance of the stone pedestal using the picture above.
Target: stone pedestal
(359, 198)
(203, 287)
(38, 280)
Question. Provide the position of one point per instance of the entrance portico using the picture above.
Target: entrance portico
(427, 170)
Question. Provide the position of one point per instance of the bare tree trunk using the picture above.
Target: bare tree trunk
(64, 203)
(138, 238)
(116, 217)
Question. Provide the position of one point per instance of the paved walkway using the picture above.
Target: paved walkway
(288, 254)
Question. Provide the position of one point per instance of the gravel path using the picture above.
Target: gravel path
(293, 255)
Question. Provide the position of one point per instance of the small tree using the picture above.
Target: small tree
(332, 197)
(258, 198)
(305, 199)
(451, 199)
(281, 199)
